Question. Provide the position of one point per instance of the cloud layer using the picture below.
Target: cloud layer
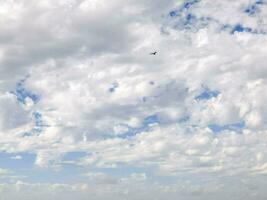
(79, 90)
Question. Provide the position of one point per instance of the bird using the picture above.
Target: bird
(153, 53)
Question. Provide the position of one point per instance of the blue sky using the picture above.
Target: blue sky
(86, 110)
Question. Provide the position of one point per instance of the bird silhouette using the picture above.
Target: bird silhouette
(153, 53)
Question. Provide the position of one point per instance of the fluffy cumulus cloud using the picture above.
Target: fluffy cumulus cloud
(86, 110)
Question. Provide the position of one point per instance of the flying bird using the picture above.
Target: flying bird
(153, 53)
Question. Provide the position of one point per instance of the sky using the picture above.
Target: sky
(87, 112)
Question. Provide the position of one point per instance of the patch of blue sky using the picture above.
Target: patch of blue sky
(24, 167)
(239, 28)
(64, 174)
(254, 8)
(191, 22)
(190, 19)
(183, 18)
(27, 134)
(17, 161)
(238, 127)
(72, 156)
(39, 125)
(125, 170)
(38, 119)
(207, 94)
(251, 10)
(260, 2)
(22, 93)
(189, 3)
(146, 125)
(183, 8)
(152, 119)
(174, 13)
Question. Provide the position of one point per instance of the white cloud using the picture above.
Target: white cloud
(100, 92)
